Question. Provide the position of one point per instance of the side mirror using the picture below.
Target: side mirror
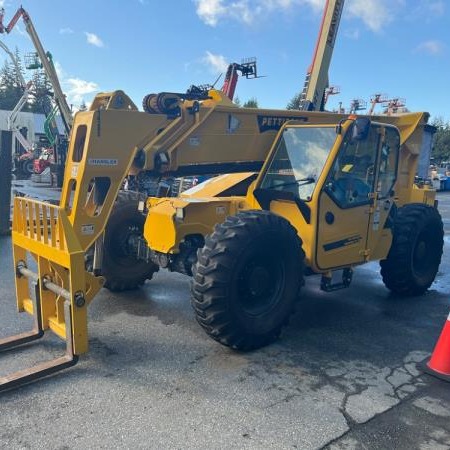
(361, 129)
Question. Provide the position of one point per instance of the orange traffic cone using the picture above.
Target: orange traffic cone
(439, 363)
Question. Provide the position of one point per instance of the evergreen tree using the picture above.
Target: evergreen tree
(441, 143)
(251, 103)
(294, 103)
(17, 70)
(10, 89)
(12, 78)
(42, 93)
(6, 77)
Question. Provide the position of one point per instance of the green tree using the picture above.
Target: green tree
(10, 89)
(6, 77)
(17, 70)
(237, 101)
(251, 103)
(42, 93)
(294, 103)
(12, 77)
(441, 143)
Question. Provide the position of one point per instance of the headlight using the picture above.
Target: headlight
(179, 213)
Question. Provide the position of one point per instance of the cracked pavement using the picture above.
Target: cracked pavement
(343, 376)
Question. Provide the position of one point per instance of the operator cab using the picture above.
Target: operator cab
(299, 160)
(352, 176)
(335, 184)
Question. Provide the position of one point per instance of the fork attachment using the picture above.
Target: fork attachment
(25, 376)
(103, 145)
(43, 236)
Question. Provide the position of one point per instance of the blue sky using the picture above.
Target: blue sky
(398, 47)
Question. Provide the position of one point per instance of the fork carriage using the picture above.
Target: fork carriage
(43, 235)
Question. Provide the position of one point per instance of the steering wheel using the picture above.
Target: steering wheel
(349, 190)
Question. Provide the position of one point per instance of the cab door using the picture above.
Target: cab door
(379, 235)
(356, 198)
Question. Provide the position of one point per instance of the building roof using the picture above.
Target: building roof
(32, 121)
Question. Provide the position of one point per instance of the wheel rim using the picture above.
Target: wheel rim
(29, 167)
(120, 246)
(260, 283)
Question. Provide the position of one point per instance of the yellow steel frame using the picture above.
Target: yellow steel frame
(45, 232)
(57, 238)
(204, 206)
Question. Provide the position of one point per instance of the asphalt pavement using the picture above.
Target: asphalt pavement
(342, 376)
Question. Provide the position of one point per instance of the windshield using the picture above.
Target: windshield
(299, 160)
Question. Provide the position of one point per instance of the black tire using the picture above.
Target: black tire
(247, 279)
(413, 260)
(28, 167)
(122, 271)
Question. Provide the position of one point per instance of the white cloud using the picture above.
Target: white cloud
(66, 30)
(315, 4)
(216, 63)
(59, 70)
(375, 14)
(432, 47)
(352, 34)
(426, 10)
(210, 11)
(76, 89)
(93, 39)
(436, 7)
(247, 11)
(18, 30)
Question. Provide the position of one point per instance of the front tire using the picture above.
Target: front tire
(28, 167)
(247, 279)
(121, 269)
(413, 260)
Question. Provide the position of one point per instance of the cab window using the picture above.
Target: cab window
(390, 150)
(299, 160)
(352, 176)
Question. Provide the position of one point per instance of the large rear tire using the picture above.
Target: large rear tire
(121, 269)
(247, 279)
(413, 260)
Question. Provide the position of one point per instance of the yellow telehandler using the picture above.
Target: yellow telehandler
(299, 193)
(288, 194)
